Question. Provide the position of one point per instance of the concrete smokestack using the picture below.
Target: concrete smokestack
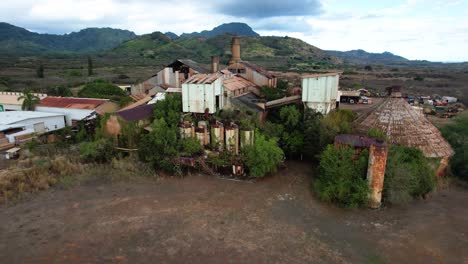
(236, 52)
(214, 64)
(376, 173)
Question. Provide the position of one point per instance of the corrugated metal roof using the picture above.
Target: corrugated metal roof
(192, 64)
(406, 126)
(236, 83)
(12, 117)
(358, 141)
(8, 127)
(11, 98)
(72, 102)
(318, 75)
(136, 113)
(258, 69)
(204, 78)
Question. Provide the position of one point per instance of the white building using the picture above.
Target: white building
(203, 93)
(320, 91)
(76, 109)
(18, 123)
(9, 101)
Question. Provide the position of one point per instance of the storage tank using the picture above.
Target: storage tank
(217, 136)
(186, 130)
(232, 138)
(320, 91)
(246, 138)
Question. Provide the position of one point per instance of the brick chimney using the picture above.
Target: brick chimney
(236, 51)
(214, 64)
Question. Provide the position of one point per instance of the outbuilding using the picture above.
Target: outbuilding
(9, 101)
(203, 93)
(320, 91)
(18, 124)
(76, 109)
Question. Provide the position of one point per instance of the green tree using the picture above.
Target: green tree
(457, 135)
(190, 147)
(263, 157)
(407, 175)
(40, 71)
(63, 91)
(30, 100)
(170, 109)
(342, 177)
(312, 146)
(90, 66)
(159, 147)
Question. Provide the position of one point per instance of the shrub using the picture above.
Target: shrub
(263, 157)
(377, 133)
(342, 179)
(101, 150)
(408, 175)
(457, 135)
(190, 146)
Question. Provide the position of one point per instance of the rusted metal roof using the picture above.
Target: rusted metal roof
(358, 141)
(258, 69)
(191, 64)
(406, 126)
(136, 113)
(236, 83)
(322, 74)
(72, 102)
(204, 78)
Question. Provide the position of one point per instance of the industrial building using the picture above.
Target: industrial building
(9, 101)
(203, 93)
(254, 73)
(18, 125)
(176, 73)
(76, 109)
(320, 91)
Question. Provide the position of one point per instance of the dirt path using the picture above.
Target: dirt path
(202, 219)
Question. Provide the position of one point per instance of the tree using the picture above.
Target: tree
(263, 157)
(30, 101)
(407, 175)
(90, 66)
(342, 177)
(63, 91)
(40, 71)
(105, 90)
(159, 147)
(312, 146)
(170, 109)
(457, 135)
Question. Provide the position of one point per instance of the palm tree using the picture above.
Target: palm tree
(30, 101)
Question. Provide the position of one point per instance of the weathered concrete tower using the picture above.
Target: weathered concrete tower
(236, 52)
(376, 173)
(214, 64)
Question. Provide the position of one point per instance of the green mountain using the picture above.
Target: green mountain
(234, 28)
(363, 57)
(279, 53)
(19, 41)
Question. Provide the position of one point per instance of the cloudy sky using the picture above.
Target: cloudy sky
(434, 30)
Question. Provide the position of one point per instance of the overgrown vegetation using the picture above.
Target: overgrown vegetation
(263, 157)
(342, 178)
(105, 90)
(457, 135)
(408, 175)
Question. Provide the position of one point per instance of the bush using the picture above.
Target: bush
(190, 147)
(408, 175)
(263, 157)
(101, 150)
(457, 135)
(104, 90)
(342, 179)
(377, 133)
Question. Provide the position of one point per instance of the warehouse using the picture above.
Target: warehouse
(76, 109)
(17, 124)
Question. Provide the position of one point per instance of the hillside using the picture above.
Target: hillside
(280, 53)
(363, 57)
(240, 29)
(19, 41)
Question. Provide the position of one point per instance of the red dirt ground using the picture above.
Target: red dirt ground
(203, 219)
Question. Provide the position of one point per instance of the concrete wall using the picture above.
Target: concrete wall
(320, 93)
(198, 97)
(70, 114)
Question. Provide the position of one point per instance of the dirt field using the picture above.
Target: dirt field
(203, 219)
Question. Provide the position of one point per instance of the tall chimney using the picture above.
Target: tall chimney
(236, 52)
(214, 64)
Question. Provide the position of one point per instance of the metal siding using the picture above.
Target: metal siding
(70, 114)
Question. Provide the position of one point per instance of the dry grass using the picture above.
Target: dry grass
(35, 174)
